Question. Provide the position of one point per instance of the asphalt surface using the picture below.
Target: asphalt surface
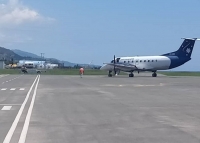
(98, 109)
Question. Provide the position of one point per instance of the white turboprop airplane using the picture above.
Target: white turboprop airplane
(152, 63)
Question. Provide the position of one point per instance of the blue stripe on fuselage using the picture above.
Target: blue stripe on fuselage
(177, 61)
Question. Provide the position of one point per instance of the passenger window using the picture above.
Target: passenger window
(148, 60)
(152, 60)
(140, 61)
(144, 60)
(124, 61)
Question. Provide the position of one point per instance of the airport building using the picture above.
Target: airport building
(2, 64)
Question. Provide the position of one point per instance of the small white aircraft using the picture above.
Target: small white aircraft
(152, 63)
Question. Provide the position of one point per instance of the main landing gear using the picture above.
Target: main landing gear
(131, 75)
(154, 74)
(110, 74)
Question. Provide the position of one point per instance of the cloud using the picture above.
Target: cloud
(13, 12)
(17, 22)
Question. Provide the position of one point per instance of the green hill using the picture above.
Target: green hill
(6, 54)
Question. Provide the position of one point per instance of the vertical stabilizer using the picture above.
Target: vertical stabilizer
(185, 50)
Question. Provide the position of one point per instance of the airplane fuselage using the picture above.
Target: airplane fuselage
(152, 63)
(147, 63)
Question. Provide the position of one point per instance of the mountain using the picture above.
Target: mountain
(6, 54)
(25, 54)
(68, 64)
(31, 56)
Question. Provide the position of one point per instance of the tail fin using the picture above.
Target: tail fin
(185, 49)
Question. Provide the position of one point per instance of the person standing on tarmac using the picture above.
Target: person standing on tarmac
(81, 71)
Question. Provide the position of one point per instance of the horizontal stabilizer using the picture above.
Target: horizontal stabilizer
(191, 38)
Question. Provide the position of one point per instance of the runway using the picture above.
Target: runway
(98, 109)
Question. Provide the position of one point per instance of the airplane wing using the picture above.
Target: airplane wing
(130, 67)
(127, 67)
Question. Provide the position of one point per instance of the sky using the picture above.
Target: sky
(85, 31)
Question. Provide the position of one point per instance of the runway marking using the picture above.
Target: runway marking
(28, 116)
(4, 75)
(133, 85)
(10, 104)
(11, 79)
(14, 124)
(6, 108)
(12, 89)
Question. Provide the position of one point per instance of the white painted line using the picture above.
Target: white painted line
(4, 89)
(12, 88)
(6, 108)
(28, 116)
(4, 75)
(22, 89)
(14, 124)
(10, 79)
(10, 104)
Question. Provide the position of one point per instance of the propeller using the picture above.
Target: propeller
(114, 65)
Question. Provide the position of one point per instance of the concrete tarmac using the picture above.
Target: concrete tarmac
(98, 109)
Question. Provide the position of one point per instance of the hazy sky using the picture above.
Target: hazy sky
(82, 31)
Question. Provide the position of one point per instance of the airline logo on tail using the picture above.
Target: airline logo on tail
(188, 50)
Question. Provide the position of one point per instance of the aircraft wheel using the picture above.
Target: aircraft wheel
(131, 75)
(154, 74)
(109, 75)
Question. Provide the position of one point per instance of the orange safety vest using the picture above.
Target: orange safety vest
(81, 70)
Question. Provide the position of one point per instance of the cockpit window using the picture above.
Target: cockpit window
(112, 61)
(118, 60)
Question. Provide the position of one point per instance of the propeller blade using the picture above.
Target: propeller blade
(114, 64)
